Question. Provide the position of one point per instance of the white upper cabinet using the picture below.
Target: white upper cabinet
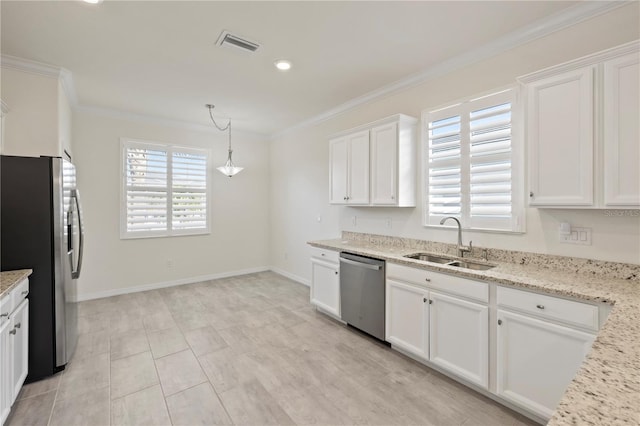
(583, 132)
(622, 131)
(358, 181)
(338, 176)
(374, 164)
(384, 166)
(560, 134)
(349, 169)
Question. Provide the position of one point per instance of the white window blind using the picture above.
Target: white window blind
(470, 162)
(165, 190)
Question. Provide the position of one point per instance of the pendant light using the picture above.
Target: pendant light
(228, 169)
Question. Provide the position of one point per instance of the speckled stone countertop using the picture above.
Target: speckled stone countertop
(10, 279)
(606, 389)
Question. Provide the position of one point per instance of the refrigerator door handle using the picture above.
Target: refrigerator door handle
(75, 194)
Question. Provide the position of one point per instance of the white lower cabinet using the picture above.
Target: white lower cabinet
(459, 337)
(19, 344)
(407, 317)
(536, 360)
(538, 343)
(325, 281)
(5, 371)
(541, 342)
(443, 329)
(14, 345)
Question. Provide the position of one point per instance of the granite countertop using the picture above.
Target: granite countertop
(10, 279)
(606, 389)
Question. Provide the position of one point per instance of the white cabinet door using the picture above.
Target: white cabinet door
(536, 360)
(358, 168)
(325, 286)
(622, 131)
(407, 317)
(5, 371)
(384, 164)
(560, 139)
(19, 343)
(459, 337)
(339, 169)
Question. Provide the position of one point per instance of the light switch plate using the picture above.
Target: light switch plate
(577, 236)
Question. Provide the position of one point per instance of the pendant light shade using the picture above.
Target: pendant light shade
(229, 169)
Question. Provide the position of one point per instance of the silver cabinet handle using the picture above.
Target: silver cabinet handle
(24, 293)
(531, 194)
(18, 325)
(362, 265)
(5, 314)
(336, 272)
(424, 299)
(540, 306)
(14, 331)
(499, 322)
(428, 280)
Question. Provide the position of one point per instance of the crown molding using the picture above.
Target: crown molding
(605, 55)
(543, 27)
(46, 70)
(152, 119)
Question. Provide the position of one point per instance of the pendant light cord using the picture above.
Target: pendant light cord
(222, 129)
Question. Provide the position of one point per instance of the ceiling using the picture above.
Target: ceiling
(159, 58)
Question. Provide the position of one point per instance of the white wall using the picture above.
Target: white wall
(300, 173)
(239, 220)
(31, 125)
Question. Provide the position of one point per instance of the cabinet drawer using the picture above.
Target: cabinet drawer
(555, 308)
(326, 255)
(447, 283)
(19, 293)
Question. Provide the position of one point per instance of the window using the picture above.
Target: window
(474, 164)
(164, 190)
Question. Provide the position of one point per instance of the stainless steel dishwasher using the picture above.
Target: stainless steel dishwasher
(362, 293)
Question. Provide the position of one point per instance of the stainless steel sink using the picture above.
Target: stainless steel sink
(429, 258)
(466, 264)
(471, 265)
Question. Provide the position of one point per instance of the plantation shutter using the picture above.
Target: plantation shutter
(470, 163)
(490, 163)
(146, 190)
(189, 191)
(165, 190)
(445, 167)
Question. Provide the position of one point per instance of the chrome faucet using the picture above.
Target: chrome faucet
(461, 249)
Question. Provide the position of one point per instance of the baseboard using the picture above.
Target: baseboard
(291, 276)
(154, 286)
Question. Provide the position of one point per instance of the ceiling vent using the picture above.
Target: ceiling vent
(227, 39)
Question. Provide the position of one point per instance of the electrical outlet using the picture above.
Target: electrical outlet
(577, 236)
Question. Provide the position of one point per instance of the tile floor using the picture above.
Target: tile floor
(244, 350)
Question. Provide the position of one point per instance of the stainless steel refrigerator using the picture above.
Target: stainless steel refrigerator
(41, 229)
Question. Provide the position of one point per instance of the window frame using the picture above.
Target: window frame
(170, 149)
(461, 107)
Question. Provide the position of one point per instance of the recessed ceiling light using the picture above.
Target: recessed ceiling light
(283, 65)
(92, 1)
